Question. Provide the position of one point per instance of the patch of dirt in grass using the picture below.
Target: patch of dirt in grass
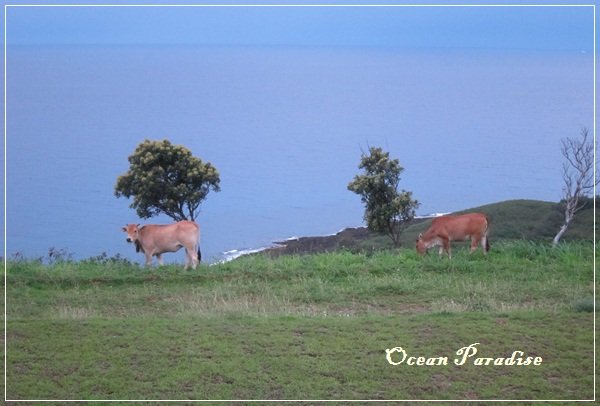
(471, 395)
(218, 379)
(356, 309)
(440, 382)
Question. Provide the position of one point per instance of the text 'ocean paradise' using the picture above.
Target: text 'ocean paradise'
(464, 356)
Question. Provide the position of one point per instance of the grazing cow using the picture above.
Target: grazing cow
(154, 240)
(445, 229)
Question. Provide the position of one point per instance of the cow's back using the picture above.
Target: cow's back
(457, 227)
(170, 237)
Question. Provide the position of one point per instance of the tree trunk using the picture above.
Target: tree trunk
(394, 233)
(578, 175)
(569, 214)
(559, 235)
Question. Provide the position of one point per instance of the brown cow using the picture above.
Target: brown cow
(445, 229)
(154, 240)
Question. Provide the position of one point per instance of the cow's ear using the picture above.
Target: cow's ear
(420, 236)
(124, 228)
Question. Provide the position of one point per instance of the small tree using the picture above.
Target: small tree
(387, 210)
(578, 177)
(166, 178)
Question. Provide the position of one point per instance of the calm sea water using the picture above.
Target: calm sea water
(285, 127)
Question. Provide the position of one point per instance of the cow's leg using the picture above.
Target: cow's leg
(190, 258)
(447, 248)
(484, 244)
(194, 257)
(474, 243)
(441, 243)
(187, 259)
(160, 259)
(148, 258)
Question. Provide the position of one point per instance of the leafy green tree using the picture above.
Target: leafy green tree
(166, 178)
(387, 210)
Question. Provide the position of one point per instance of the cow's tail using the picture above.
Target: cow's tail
(198, 241)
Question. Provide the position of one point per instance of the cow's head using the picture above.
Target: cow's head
(132, 231)
(421, 247)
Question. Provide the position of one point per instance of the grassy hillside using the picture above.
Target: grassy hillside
(527, 220)
(524, 219)
(513, 219)
(304, 327)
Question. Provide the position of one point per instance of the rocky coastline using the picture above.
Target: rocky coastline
(351, 238)
(346, 238)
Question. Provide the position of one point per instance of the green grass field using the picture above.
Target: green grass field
(304, 327)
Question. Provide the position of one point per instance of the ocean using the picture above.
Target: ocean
(285, 127)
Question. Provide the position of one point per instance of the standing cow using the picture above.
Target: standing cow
(445, 229)
(155, 240)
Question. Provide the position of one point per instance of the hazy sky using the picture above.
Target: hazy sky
(569, 28)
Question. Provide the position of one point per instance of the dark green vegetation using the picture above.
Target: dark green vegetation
(387, 210)
(167, 178)
(304, 327)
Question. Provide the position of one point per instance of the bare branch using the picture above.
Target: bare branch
(578, 176)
